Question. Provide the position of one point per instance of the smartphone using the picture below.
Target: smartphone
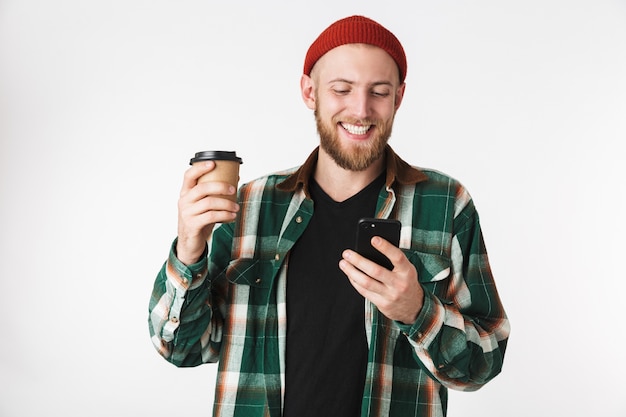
(367, 228)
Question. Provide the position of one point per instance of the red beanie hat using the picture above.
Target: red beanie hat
(356, 29)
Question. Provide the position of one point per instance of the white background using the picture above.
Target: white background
(102, 103)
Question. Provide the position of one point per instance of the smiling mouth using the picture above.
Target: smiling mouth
(356, 129)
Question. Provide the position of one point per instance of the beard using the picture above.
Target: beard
(359, 156)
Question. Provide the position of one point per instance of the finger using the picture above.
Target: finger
(359, 277)
(198, 218)
(195, 216)
(216, 189)
(370, 268)
(365, 285)
(190, 179)
(392, 252)
(201, 220)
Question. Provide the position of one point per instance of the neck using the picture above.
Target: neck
(341, 184)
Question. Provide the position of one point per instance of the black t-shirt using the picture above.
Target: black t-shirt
(326, 352)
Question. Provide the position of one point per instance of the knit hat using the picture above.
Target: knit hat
(356, 29)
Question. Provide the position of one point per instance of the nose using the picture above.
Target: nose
(360, 104)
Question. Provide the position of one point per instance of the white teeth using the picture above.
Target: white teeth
(355, 129)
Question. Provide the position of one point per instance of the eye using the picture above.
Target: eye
(380, 93)
(340, 88)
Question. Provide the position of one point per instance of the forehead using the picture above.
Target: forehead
(357, 62)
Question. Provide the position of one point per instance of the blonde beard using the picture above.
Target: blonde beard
(361, 156)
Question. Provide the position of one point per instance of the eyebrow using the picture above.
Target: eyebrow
(373, 84)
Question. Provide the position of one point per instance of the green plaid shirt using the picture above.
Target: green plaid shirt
(230, 306)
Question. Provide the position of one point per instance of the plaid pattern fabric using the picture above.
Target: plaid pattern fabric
(230, 306)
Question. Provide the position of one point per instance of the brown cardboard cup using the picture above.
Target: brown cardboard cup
(226, 168)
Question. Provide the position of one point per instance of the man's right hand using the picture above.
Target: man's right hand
(200, 207)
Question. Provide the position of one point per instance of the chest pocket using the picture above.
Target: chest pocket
(433, 271)
(256, 273)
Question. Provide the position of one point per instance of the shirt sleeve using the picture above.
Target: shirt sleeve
(185, 326)
(461, 337)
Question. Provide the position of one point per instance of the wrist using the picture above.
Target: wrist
(186, 255)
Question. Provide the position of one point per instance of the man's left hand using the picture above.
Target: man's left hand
(397, 293)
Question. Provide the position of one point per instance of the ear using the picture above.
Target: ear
(399, 95)
(307, 89)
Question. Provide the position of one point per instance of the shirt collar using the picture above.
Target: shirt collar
(397, 171)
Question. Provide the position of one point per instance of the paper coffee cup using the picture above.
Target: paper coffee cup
(226, 168)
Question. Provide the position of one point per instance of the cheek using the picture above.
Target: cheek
(329, 105)
(327, 115)
(386, 109)
(386, 113)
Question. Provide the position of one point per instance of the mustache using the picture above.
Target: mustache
(363, 122)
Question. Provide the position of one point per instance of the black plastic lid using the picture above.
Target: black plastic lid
(215, 156)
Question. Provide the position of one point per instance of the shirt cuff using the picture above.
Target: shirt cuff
(427, 324)
(187, 276)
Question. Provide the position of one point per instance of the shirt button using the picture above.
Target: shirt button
(174, 319)
(258, 281)
(277, 257)
(299, 219)
(185, 281)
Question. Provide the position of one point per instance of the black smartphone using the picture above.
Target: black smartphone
(367, 228)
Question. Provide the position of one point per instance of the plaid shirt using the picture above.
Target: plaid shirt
(230, 306)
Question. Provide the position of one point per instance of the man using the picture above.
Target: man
(302, 325)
